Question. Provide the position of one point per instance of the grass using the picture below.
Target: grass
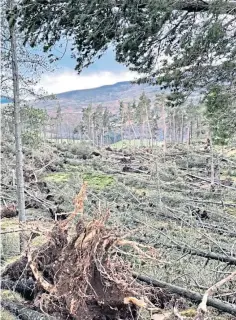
(38, 241)
(10, 295)
(189, 313)
(12, 259)
(6, 315)
(98, 181)
(231, 211)
(58, 177)
(9, 223)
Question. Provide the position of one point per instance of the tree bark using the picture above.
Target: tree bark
(188, 294)
(17, 120)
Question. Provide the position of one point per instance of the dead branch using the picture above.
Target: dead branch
(209, 255)
(207, 180)
(202, 308)
(188, 294)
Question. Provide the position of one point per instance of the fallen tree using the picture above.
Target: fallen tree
(188, 294)
(208, 255)
(77, 273)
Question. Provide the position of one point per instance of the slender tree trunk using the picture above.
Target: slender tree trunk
(174, 127)
(182, 128)
(212, 165)
(142, 133)
(164, 126)
(149, 128)
(189, 135)
(170, 130)
(191, 130)
(18, 138)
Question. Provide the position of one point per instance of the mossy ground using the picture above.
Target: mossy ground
(189, 313)
(98, 181)
(6, 315)
(10, 295)
(9, 223)
(94, 179)
(231, 210)
(58, 177)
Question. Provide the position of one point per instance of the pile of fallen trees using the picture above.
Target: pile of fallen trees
(77, 274)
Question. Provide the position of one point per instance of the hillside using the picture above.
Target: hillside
(109, 96)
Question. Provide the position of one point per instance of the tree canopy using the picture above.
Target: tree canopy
(183, 45)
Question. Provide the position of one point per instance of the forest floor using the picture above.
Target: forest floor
(161, 200)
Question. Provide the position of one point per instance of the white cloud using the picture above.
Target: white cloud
(69, 80)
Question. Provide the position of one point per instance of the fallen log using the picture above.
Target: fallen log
(188, 294)
(24, 312)
(207, 180)
(209, 255)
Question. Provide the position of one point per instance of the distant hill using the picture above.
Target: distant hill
(109, 96)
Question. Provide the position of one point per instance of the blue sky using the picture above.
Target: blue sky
(104, 71)
(64, 78)
(107, 62)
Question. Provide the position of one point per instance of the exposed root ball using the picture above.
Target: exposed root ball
(78, 276)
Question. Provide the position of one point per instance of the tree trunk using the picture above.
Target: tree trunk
(164, 126)
(191, 295)
(174, 127)
(212, 165)
(182, 128)
(189, 135)
(17, 120)
(149, 128)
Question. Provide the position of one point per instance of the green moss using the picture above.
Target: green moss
(231, 211)
(10, 295)
(12, 259)
(58, 177)
(189, 313)
(6, 315)
(38, 241)
(98, 181)
(9, 223)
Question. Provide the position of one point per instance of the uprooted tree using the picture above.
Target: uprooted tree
(78, 274)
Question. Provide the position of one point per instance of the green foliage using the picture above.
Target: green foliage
(192, 37)
(221, 112)
(33, 121)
